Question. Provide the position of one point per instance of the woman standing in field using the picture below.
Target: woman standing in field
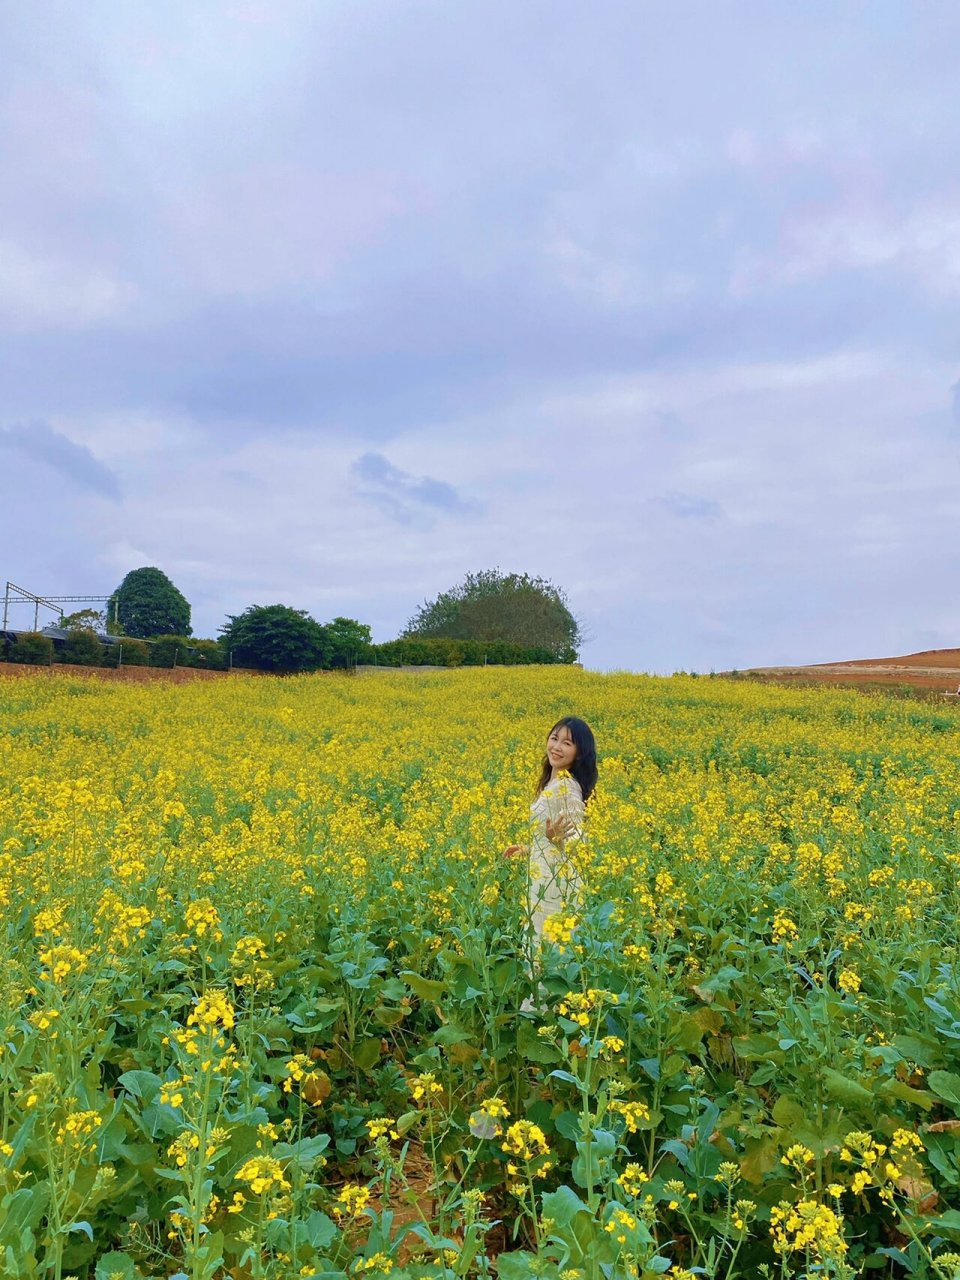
(567, 779)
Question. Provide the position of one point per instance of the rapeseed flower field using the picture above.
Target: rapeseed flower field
(266, 1004)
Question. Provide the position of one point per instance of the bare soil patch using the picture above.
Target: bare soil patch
(930, 670)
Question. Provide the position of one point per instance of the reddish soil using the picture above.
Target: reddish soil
(931, 670)
(130, 675)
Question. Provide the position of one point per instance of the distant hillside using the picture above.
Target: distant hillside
(934, 669)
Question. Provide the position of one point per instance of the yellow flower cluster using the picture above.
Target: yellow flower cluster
(263, 1174)
(202, 919)
(526, 1141)
(351, 1201)
(61, 961)
(634, 1114)
(633, 1179)
(559, 929)
(424, 1086)
(485, 1121)
(807, 1227)
(378, 1262)
(228, 837)
(785, 931)
(580, 1006)
(212, 1010)
(619, 1224)
(76, 1127)
(383, 1128)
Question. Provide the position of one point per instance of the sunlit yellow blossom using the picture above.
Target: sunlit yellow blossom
(634, 1114)
(352, 1200)
(263, 1173)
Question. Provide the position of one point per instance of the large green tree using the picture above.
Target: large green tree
(347, 640)
(148, 604)
(275, 637)
(491, 605)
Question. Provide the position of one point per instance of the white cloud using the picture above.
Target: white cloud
(922, 244)
(43, 293)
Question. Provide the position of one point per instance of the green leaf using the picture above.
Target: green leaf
(425, 988)
(788, 1112)
(318, 1229)
(406, 1122)
(306, 1152)
(517, 1266)
(367, 1053)
(947, 1224)
(142, 1084)
(568, 1125)
(946, 1085)
(450, 1034)
(385, 1016)
(923, 1050)
(759, 1157)
(567, 1077)
(849, 1092)
(903, 1092)
(115, 1266)
(562, 1206)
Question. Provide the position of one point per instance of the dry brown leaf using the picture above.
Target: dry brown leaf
(316, 1087)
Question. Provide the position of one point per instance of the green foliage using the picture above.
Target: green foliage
(275, 638)
(84, 620)
(515, 608)
(82, 648)
(346, 642)
(148, 604)
(169, 651)
(132, 653)
(32, 647)
(205, 655)
(413, 651)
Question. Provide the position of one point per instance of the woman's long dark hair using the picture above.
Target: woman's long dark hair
(584, 768)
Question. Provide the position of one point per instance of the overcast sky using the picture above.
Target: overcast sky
(329, 303)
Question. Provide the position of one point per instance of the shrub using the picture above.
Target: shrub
(82, 648)
(169, 651)
(32, 647)
(416, 651)
(132, 653)
(275, 637)
(345, 642)
(205, 655)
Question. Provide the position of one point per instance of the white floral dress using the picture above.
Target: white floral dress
(554, 882)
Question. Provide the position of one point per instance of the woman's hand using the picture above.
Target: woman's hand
(512, 850)
(560, 829)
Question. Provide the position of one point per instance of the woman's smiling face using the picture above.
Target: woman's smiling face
(561, 749)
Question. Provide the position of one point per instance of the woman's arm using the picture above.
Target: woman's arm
(568, 823)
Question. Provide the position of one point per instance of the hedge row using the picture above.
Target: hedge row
(85, 649)
(411, 651)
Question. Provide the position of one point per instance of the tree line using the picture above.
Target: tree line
(490, 617)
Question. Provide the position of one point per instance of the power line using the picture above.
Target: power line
(19, 595)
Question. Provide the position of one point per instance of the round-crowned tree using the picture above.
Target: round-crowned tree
(148, 604)
(493, 606)
(275, 637)
(346, 641)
